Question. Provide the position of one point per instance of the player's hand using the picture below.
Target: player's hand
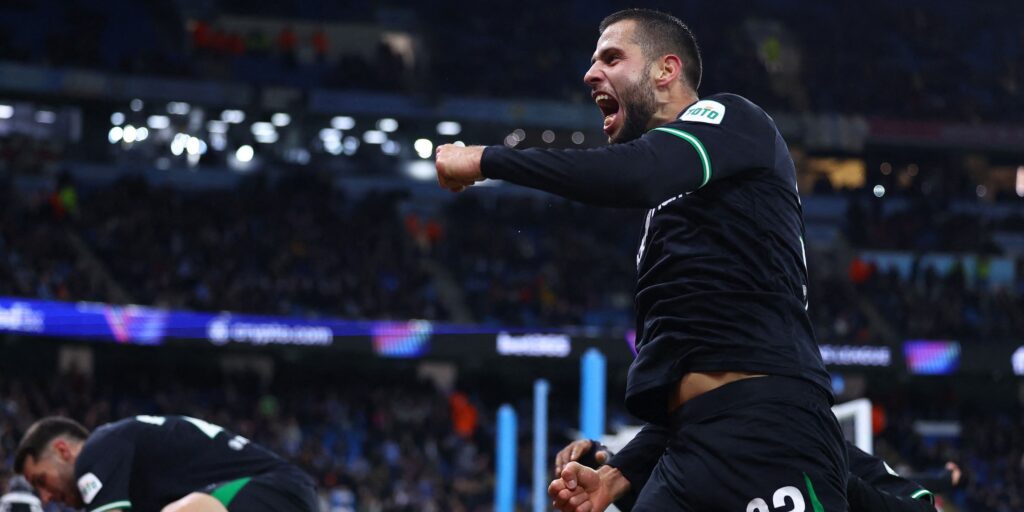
(579, 489)
(573, 451)
(458, 167)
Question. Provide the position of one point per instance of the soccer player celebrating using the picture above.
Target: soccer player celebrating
(726, 355)
(601, 477)
(158, 463)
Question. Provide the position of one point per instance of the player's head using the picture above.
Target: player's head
(643, 58)
(46, 457)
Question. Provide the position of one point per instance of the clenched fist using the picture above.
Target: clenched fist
(580, 489)
(458, 167)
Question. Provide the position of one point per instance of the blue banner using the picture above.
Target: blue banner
(140, 325)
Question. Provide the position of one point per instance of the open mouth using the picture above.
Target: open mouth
(609, 108)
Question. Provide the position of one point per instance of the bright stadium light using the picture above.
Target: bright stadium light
(459, 143)
(115, 134)
(264, 132)
(343, 123)
(266, 138)
(6, 111)
(232, 116)
(374, 137)
(424, 148)
(192, 146)
(390, 147)
(420, 170)
(548, 136)
(519, 134)
(136, 105)
(280, 119)
(578, 138)
(117, 118)
(879, 191)
(333, 146)
(244, 153)
(158, 122)
(330, 134)
(387, 125)
(449, 128)
(178, 144)
(129, 134)
(141, 134)
(262, 128)
(511, 140)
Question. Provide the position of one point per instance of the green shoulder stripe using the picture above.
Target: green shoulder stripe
(113, 506)
(705, 158)
(923, 494)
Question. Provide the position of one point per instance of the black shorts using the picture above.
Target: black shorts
(764, 444)
(286, 489)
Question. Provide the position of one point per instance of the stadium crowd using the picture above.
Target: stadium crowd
(301, 247)
(989, 447)
(946, 62)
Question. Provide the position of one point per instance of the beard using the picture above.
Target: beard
(638, 104)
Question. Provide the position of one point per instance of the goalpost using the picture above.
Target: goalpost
(855, 419)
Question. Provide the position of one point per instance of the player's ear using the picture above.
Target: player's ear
(667, 69)
(61, 448)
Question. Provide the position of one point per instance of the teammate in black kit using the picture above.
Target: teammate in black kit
(726, 354)
(158, 463)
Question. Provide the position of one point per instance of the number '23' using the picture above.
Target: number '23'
(785, 496)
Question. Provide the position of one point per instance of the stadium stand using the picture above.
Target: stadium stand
(924, 243)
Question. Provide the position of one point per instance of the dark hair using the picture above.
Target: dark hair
(659, 33)
(41, 433)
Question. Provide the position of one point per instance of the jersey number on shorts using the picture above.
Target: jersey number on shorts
(788, 496)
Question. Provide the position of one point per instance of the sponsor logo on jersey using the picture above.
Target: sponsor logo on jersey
(704, 111)
(89, 485)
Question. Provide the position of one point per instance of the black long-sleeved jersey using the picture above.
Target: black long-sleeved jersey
(721, 276)
(144, 463)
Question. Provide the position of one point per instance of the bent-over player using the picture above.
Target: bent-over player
(158, 463)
